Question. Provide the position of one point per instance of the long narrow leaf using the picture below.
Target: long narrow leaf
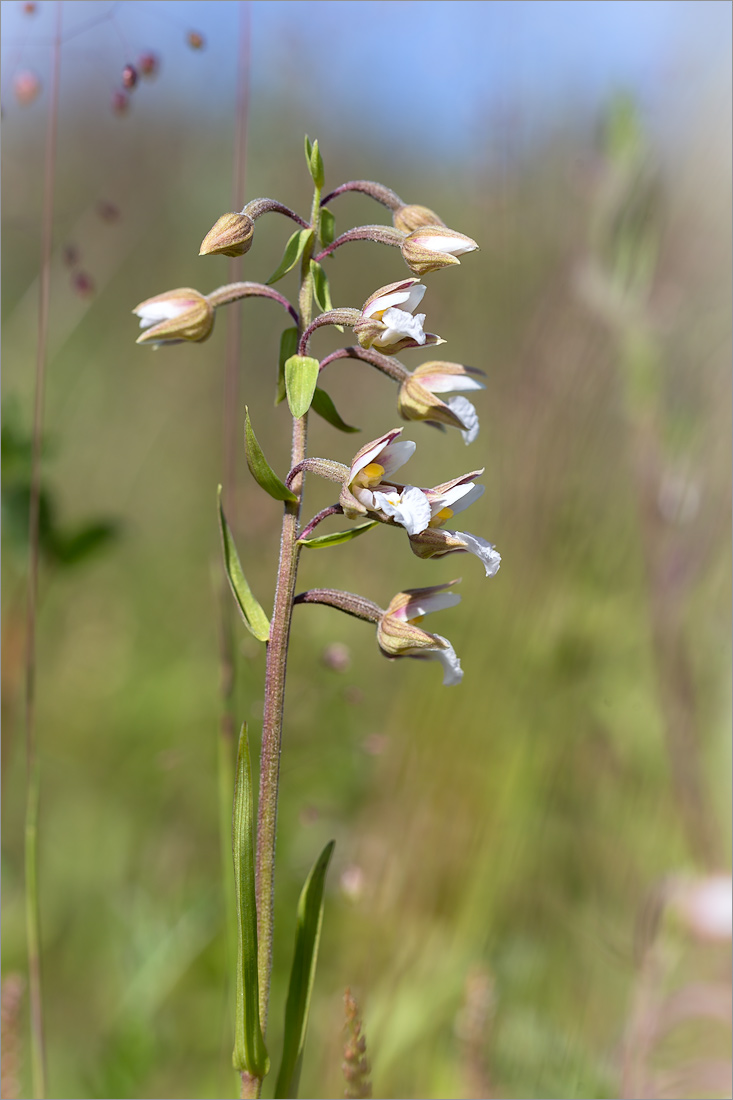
(288, 347)
(260, 468)
(307, 936)
(250, 1053)
(324, 406)
(293, 251)
(254, 617)
(335, 539)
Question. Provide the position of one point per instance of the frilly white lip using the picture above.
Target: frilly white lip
(400, 325)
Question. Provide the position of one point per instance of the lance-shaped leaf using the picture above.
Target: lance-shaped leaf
(254, 617)
(259, 467)
(327, 227)
(301, 376)
(314, 161)
(321, 290)
(320, 541)
(324, 406)
(250, 1053)
(307, 935)
(288, 347)
(293, 251)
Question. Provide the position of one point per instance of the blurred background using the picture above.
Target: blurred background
(523, 897)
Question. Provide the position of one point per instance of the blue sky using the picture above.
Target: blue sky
(420, 72)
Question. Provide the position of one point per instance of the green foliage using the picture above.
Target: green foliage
(319, 542)
(249, 1047)
(324, 406)
(302, 975)
(293, 251)
(254, 617)
(288, 347)
(327, 227)
(259, 467)
(301, 378)
(314, 161)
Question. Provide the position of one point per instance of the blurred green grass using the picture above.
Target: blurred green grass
(510, 827)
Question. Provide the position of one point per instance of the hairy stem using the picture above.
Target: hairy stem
(277, 656)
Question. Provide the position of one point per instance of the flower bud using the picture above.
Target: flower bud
(176, 315)
(231, 235)
(411, 217)
(399, 636)
(432, 247)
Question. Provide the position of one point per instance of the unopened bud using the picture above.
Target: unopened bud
(412, 217)
(432, 247)
(195, 40)
(129, 77)
(82, 284)
(176, 315)
(231, 235)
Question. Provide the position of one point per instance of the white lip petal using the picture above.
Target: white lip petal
(424, 605)
(410, 508)
(482, 549)
(465, 412)
(159, 311)
(400, 325)
(452, 671)
(456, 246)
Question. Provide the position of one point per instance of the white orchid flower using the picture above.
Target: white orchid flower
(399, 635)
(387, 320)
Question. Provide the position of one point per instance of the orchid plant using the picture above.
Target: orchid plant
(385, 326)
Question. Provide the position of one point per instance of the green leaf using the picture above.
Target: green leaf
(288, 347)
(307, 935)
(324, 406)
(314, 161)
(338, 537)
(254, 617)
(259, 467)
(301, 376)
(250, 1053)
(328, 227)
(293, 251)
(321, 290)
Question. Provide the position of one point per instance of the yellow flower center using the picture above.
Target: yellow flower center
(440, 517)
(370, 475)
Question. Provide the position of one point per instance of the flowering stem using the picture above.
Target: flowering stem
(255, 207)
(377, 191)
(233, 292)
(382, 234)
(387, 364)
(332, 510)
(277, 656)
